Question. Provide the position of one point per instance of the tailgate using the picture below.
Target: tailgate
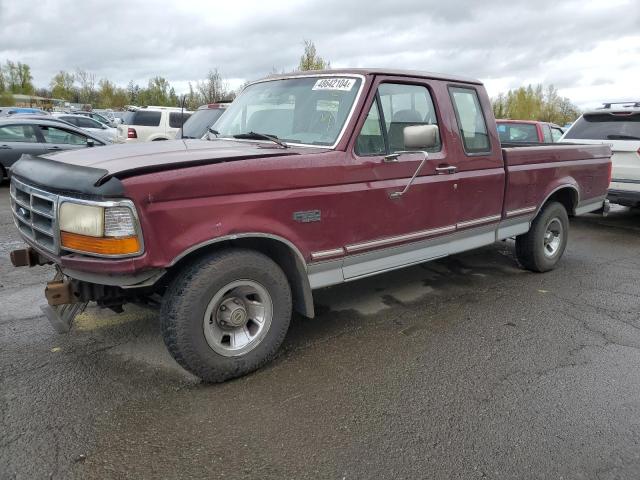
(626, 165)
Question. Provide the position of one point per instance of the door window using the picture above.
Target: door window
(546, 134)
(87, 122)
(404, 106)
(59, 135)
(473, 128)
(71, 120)
(397, 106)
(17, 133)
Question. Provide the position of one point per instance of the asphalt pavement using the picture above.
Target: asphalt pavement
(463, 368)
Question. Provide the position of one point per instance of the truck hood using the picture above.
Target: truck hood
(168, 154)
(98, 170)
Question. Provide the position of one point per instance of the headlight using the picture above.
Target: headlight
(110, 230)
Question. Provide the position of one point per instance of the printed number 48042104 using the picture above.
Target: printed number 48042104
(345, 84)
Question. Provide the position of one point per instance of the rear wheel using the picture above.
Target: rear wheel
(542, 246)
(226, 314)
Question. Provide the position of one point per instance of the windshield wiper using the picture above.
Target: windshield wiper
(622, 137)
(261, 136)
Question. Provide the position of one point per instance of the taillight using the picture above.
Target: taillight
(611, 170)
(131, 133)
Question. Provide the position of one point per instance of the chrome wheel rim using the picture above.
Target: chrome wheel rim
(552, 238)
(237, 318)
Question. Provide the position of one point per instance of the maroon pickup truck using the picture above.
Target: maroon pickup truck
(307, 180)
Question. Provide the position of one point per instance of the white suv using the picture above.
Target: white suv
(616, 125)
(151, 123)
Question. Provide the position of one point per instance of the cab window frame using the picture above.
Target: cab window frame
(382, 119)
(469, 153)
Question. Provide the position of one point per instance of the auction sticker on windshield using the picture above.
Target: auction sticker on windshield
(345, 84)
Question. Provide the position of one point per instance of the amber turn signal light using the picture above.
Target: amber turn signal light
(100, 245)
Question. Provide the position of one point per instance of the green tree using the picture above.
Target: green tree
(535, 103)
(62, 86)
(6, 99)
(158, 92)
(18, 78)
(25, 79)
(106, 92)
(310, 60)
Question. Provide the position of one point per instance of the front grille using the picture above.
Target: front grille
(35, 214)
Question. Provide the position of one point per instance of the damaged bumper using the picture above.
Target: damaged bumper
(71, 290)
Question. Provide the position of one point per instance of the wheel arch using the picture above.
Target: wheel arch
(566, 194)
(284, 253)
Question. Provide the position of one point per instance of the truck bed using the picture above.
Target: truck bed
(534, 172)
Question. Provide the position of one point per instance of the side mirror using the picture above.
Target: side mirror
(420, 137)
(90, 142)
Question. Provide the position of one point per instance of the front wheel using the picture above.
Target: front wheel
(542, 246)
(226, 314)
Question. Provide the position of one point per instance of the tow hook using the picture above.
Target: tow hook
(606, 207)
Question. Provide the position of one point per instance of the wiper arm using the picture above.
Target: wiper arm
(261, 136)
(622, 137)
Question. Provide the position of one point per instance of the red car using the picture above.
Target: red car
(528, 131)
(310, 180)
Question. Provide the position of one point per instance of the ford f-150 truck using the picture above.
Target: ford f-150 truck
(308, 180)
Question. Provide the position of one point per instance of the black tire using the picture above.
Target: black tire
(532, 250)
(188, 296)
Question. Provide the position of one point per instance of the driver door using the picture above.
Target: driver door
(388, 232)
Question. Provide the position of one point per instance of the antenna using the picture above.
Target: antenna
(184, 99)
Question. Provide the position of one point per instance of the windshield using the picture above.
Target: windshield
(308, 110)
(606, 126)
(196, 126)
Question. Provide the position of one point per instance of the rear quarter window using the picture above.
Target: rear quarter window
(146, 119)
(471, 123)
(606, 126)
(176, 119)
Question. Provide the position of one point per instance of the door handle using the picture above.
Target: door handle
(5, 147)
(446, 170)
(391, 158)
(54, 148)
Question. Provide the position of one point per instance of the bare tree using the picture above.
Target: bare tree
(87, 83)
(213, 88)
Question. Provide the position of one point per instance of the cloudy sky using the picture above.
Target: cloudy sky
(589, 49)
